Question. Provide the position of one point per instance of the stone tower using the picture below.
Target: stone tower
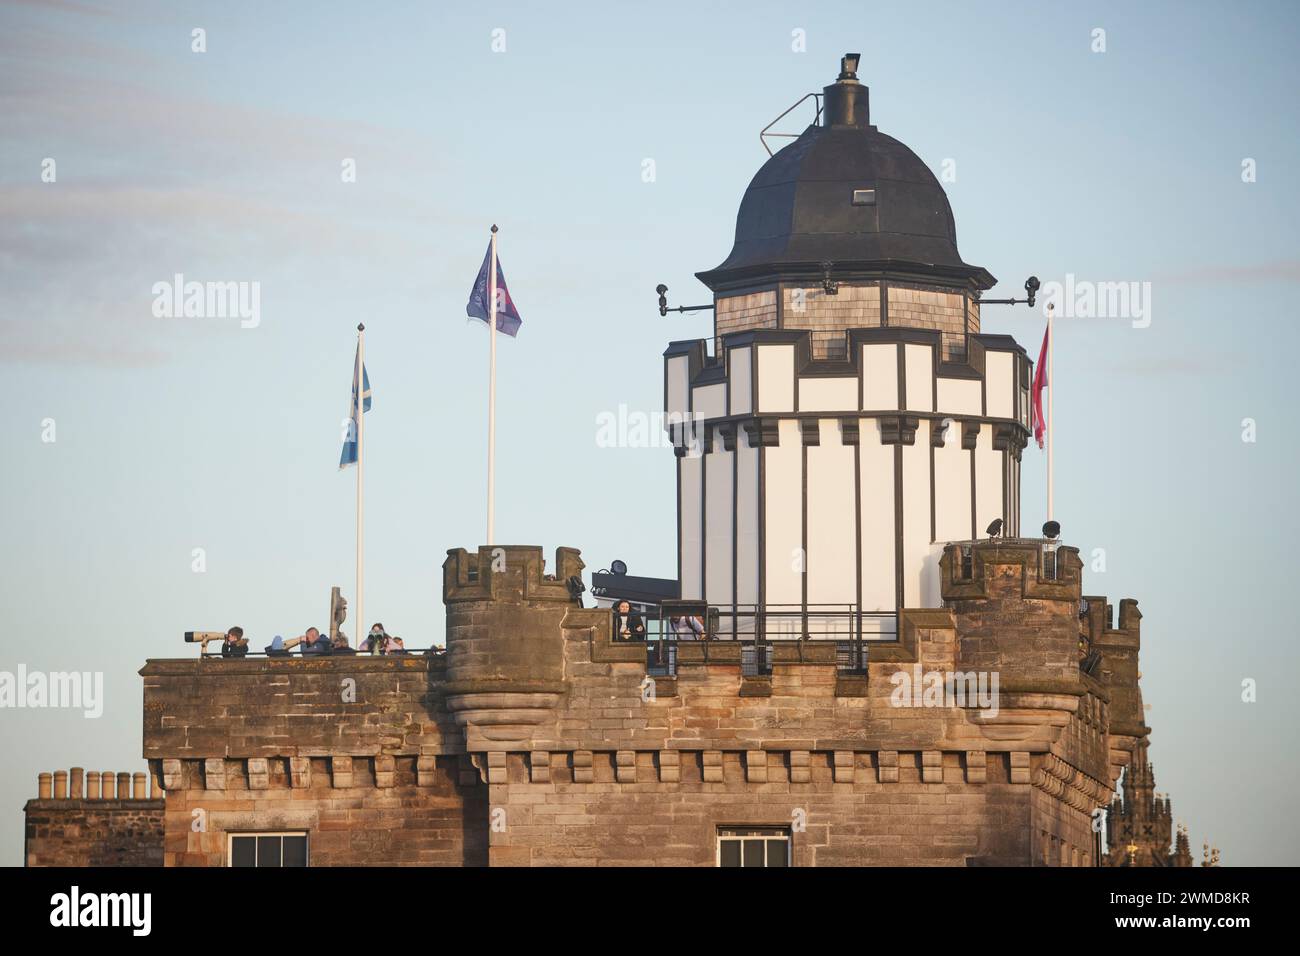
(849, 433)
(848, 418)
(1139, 827)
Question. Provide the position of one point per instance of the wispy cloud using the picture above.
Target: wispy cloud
(1281, 270)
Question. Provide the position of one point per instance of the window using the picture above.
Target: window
(753, 846)
(268, 849)
(864, 197)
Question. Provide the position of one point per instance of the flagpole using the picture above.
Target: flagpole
(492, 393)
(1051, 396)
(360, 377)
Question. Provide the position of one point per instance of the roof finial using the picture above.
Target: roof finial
(849, 66)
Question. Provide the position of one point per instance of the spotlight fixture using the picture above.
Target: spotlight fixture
(1031, 291)
(995, 528)
(1052, 530)
(663, 303)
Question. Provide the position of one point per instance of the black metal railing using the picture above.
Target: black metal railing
(758, 627)
(1047, 555)
(296, 654)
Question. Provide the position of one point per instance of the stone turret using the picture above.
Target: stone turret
(505, 657)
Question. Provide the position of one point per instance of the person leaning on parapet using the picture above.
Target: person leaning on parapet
(628, 625)
(375, 641)
(235, 644)
(339, 644)
(380, 641)
(314, 643)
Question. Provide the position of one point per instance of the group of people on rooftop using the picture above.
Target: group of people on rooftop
(313, 642)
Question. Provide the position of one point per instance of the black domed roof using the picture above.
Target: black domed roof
(846, 193)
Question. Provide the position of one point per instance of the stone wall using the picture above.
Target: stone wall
(620, 769)
(389, 811)
(538, 739)
(841, 808)
(357, 751)
(95, 819)
(94, 833)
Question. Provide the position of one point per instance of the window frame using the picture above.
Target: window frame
(254, 834)
(774, 833)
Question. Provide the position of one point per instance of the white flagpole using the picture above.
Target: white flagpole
(360, 376)
(492, 394)
(1051, 395)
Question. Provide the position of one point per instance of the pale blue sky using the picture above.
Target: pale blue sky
(175, 434)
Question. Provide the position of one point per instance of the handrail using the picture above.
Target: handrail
(756, 627)
(350, 652)
(764, 132)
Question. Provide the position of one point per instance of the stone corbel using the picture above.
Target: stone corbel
(173, 774)
(258, 773)
(214, 773)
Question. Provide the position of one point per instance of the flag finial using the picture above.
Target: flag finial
(361, 327)
(494, 227)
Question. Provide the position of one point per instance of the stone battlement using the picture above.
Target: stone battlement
(93, 819)
(536, 711)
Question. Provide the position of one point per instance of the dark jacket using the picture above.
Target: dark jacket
(632, 621)
(321, 646)
(233, 650)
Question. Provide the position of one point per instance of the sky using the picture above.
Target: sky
(164, 473)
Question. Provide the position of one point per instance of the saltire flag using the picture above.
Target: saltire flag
(508, 320)
(349, 456)
(1036, 420)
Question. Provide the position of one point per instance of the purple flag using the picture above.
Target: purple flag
(508, 320)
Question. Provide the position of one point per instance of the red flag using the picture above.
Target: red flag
(1036, 421)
